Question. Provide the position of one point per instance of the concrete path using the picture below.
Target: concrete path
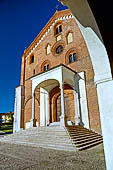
(16, 157)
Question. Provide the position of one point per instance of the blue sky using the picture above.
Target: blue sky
(20, 23)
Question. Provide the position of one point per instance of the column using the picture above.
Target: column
(33, 120)
(83, 100)
(42, 107)
(47, 109)
(17, 110)
(62, 117)
(77, 110)
(78, 117)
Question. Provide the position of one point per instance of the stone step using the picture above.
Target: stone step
(88, 146)
(80, 130)
(37, 131)
(50, 145)
(63, 138)
(40, 136)
(66, 143)
(82, 135)
(38, 139)
(86, 138)
(87, 143)
(40, 132)
(78, 137)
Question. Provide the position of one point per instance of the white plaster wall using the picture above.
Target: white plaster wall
(98, 55)
(68, 77)
(28, 125)
(105, 93)
(83, 101)
(51, 74)
(17, 110)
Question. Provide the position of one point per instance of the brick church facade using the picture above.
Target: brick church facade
(57, 79)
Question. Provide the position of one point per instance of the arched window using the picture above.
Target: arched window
(72, 57)
(48, 49)
(58, 29)
(69, 37)
(46, 67)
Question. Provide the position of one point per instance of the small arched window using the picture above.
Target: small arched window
(58, 29)
(46, 67)
(69, 37)
(48, 49)
(72, 57)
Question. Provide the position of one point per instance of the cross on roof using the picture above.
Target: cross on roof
(57, 7)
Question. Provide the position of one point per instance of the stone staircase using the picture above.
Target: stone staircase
(83, 138)
(71, 138)
(54, 137)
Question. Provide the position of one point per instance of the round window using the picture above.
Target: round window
(59, 49)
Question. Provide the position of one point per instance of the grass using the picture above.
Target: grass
(6, 127)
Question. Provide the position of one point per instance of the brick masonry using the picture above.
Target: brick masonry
(83, 63)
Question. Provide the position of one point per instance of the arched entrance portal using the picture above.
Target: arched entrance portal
(69, 104)
(62, 97)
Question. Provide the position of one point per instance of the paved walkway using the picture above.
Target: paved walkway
(18, 157)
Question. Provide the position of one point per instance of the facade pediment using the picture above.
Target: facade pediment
(57, 17)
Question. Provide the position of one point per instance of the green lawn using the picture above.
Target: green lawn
(6, 127)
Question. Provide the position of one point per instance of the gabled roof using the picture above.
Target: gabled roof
(59, 15)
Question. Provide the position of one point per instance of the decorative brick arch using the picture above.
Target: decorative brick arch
(46, 62)
(58, 23)
(56, 45)
(67, 54)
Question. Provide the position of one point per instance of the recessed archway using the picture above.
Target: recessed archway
(69, 104)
